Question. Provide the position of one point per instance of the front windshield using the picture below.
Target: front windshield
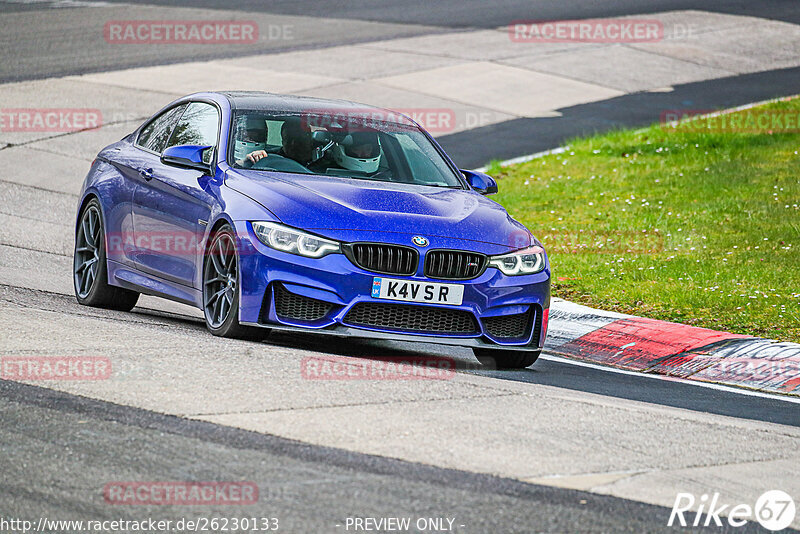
(352, 145)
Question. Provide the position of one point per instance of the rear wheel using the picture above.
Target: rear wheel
(89, 269)
(506, 359)
(221, 288)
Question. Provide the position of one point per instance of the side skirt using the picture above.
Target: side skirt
(129, 278)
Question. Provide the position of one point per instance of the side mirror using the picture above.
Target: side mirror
(187, 157)
(482, 183)
(325, 142)
(321, 136)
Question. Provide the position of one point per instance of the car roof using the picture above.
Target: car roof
(263, 101)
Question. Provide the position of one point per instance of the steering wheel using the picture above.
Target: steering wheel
(276, 162)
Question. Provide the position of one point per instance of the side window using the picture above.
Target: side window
(199, 125)
(154, 136)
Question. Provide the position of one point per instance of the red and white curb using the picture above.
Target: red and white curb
(674, 350)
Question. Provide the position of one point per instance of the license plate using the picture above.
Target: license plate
(411, 291)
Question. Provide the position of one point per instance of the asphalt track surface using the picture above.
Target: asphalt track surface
(309, 489)
(72, 38)
(58, 448)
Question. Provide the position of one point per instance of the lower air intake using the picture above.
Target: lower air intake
(515, 326)
(409, 318)
(297, 307)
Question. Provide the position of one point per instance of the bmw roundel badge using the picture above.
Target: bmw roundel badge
(419, 241)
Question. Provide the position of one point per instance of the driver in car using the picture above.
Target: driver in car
(296, 142)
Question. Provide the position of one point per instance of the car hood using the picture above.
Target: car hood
(331, 203)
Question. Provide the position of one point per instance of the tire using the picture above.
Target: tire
(221, 288)
(506, 359)
(89, 267)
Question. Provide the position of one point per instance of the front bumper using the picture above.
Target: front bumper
(342, 285)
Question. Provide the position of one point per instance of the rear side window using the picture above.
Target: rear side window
(154, 136)
(199, 125)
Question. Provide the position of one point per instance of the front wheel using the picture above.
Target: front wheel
(221, 288)
(506, 359)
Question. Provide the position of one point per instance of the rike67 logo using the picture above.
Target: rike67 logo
(774, 510)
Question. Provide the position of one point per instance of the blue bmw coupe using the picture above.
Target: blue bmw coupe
(291, 213)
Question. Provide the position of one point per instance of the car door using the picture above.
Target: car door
(172, 206)
(134, 161)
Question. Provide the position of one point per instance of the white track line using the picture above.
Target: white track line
(708, 385)
(529, 157)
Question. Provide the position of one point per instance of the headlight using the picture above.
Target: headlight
(294, 241)
(526, 261)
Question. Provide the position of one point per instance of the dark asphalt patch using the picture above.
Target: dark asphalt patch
(509, 139)
(676, 394)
